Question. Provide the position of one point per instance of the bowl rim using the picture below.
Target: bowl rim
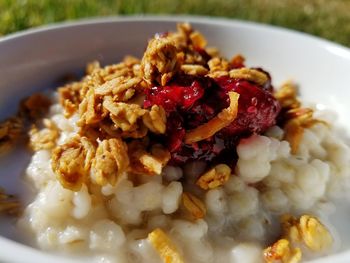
(172, 18)
(28, 252)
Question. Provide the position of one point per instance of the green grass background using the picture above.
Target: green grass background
(328, 19)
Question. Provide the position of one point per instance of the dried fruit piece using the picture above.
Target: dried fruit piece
(223, 119)
(193, 205)
(71, 162)
(44, 139)
(281, 251)
(110, 161)
(314, 234)
(215, 177)
(164, 246)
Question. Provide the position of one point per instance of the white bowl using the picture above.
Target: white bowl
(37, 59)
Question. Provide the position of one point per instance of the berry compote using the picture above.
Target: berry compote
(191, 101)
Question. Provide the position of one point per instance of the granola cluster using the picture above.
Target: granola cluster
(305, 231)
(114, 125)
(294, 117)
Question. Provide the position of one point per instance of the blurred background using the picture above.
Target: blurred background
(329, 19)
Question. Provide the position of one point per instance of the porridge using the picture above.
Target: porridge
(180, 156)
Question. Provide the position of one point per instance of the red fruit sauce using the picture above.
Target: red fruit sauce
(191, 101)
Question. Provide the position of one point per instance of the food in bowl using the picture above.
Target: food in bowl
(180, 156)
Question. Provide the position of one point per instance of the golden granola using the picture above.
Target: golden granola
(296, 118)
(69, 98)
(218, 67)
(10, 131)
(193, 205)
(308, 230)
(287, 96)
(215, 177)
(110, 162)
(155, 119)
(224, 118)
(90, 109)
(35, 106)
(166, 249)
(71, 162)
(143, 162)
(252, 75)
(282, 252)
(8, 204)
(196, 70)
(160, 61)
(44, 139)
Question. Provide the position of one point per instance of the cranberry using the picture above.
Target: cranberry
(175, 96)
(257, 108)
(191, 101)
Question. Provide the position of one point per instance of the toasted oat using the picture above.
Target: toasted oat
(212, 52)
(92, 66)
(123, 115)
(281, 251)
(315, 235)
(164, 246)
(155, 119)
(287, 96)
(71, 162)
(119, 87)
(45, 138)
(198, 40)
(193, 205)
(223, 119)
(296, 119)
(69, 98)
(252, 75)
(90, 109)
(196, 70)
(35, 106)
(160, 60)
(142, 162)
(308, 230)
(10, 131)
(290, 229)
(215, 177)
(218, 67)
(111, 160)
(8, 204)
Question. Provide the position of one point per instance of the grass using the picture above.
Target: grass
(326, 18)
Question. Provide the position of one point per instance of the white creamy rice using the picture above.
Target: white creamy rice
(110, 224)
